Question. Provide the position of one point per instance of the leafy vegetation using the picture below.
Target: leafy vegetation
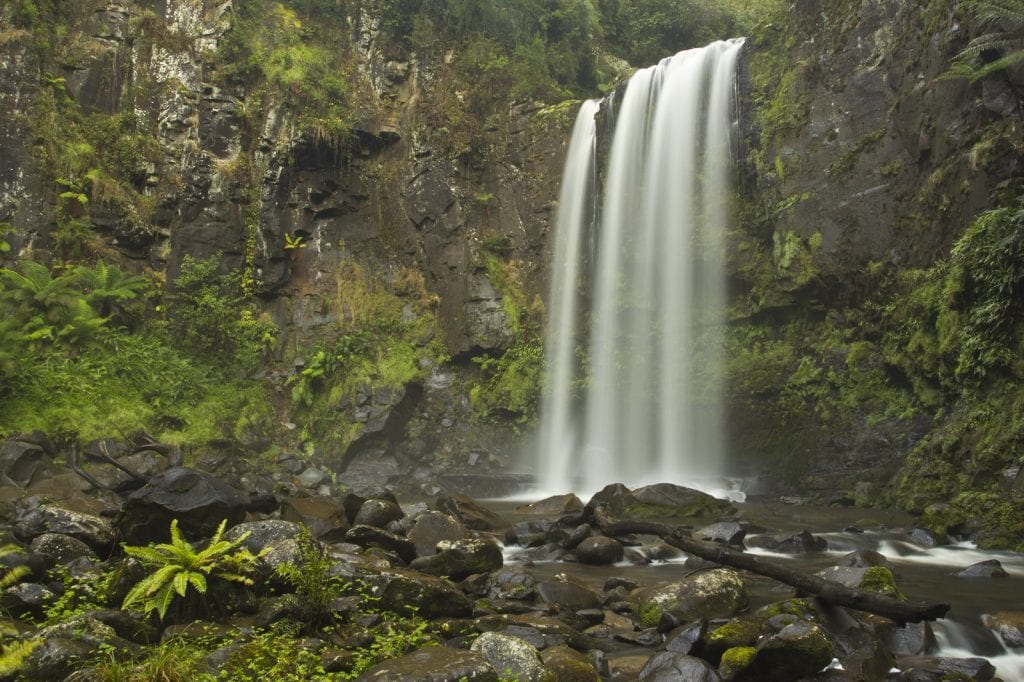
(1001, 43)
(180, 568)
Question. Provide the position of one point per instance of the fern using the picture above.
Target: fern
(179, 566)
(13, 655)
(999, 47)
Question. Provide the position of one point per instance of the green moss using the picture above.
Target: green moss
(800, 608)
(651, 614)
(738, 632)
(880, 579)
(848, 159)
(736, 660)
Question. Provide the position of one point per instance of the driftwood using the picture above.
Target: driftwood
(901, 611)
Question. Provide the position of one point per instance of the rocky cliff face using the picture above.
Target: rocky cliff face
(396, 205)
(865, 165)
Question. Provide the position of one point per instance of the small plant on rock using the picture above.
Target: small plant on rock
(315, 587)
(179, 566)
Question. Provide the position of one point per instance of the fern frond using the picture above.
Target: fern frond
(198, 581)
(147, 555)
(181, 582)
(13, 655)
(13, 576)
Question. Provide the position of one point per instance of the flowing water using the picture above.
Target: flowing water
(921, 573)
(635, 334)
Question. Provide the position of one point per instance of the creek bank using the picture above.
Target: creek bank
(399, 575)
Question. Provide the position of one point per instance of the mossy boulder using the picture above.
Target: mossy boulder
(568, 665)
(796, 651)
(738, 632)
(717, 593)
(461, 558)
(735, 661)
(667, 500)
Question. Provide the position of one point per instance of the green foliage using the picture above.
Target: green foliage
(274, 654)
(13, 655)
(81, 594)
(315, 587)
(11, 575)
(1001, 44)
(291, 51)
(179, 567)
(511, 384)
(211, 319)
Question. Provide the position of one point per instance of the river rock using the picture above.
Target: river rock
(670, 500)
(599, 550)
(461, 558)
(21, 462)
(944, 668)
(433, 664)
(198, 500)
(371, 536)
(513, 656)
(738, 632)
(669, 666)
(431, 527)
(912, 639)
(864, 558)
(472, 514)
(262, 534)
(567, 595)
(799, 543)
(55, 658)
(725, 532)
(796, 651)
(58, 549)
(568, 665)
(26, 599)
(378, 513)
(718, 593)
(614, 497)
(512, 583)
(398, 589)
(1009, 625)
(927, 537)
(92, 530)
(555, 506)
(533, 533)
(325, 517)
(984, 569)
(687, 639)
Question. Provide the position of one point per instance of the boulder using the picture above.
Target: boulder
(20, 462)
(725, 532)
(599, 550)
(670, 500)
(1009, 625)
(26, 599)
(55, 658)
(687, 640)
(461, 558)
(669, 666)
(553, 507)
(397, 590)
(927, 537)
(433, 664)
(798, 543)
(568, 665)
(567, 595)
(472, 514)
(738, 632)
(58, 549)
(262, 534)
(531, 533)
(371, 536)
(912, 639)
(431, 527)
(864, 558)
(945, 668)
(795, 652)
(718, 593)
(614, 497)
(198, 500)
(325, 517)
(92, 530)
(377, 513)
(984, 569)
(513, 656)
(512, 583)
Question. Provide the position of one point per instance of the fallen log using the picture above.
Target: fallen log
(901, 611)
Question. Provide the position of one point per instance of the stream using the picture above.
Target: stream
(921, 572)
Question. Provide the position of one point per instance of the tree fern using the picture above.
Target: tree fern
(179, 566)
(999, 47)
(107, 287)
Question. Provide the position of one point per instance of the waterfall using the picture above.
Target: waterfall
(634, 347)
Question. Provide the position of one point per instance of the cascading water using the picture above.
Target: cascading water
(636, 309)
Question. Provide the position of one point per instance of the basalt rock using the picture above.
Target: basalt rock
(198, 500)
